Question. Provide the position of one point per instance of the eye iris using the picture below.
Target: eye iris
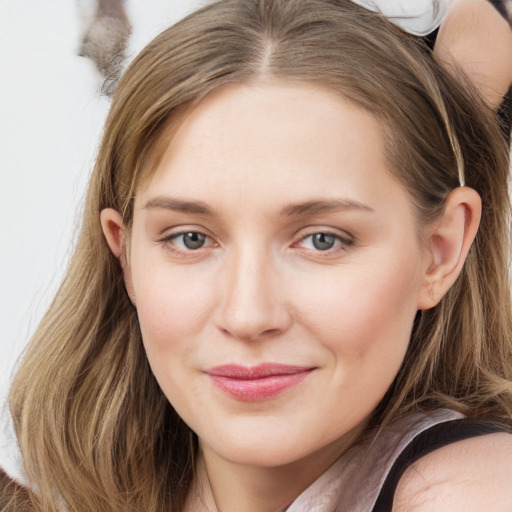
(193, 240)
(323, 241)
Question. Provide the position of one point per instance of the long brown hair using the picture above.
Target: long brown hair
(95, 430)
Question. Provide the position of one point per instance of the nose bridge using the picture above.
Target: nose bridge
(252, 304)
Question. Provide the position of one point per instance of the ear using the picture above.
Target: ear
(448, 244)
(113, 228)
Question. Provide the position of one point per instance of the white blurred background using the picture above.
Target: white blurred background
(51, 116)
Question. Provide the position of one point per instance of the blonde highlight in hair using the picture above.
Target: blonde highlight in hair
(95, 430)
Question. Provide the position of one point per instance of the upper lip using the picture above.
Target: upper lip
(235, 371)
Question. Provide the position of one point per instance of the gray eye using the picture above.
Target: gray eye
(193, 240)
(323, 241)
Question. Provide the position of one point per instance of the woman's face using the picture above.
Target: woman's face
(276, 269)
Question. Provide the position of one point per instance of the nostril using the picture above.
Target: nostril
(251, 331)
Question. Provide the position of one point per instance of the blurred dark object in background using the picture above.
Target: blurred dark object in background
(105, 41)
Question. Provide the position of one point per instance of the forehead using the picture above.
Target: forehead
(279, 140)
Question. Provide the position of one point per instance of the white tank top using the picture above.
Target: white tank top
(418, 17)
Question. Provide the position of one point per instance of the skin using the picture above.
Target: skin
(259, 290)
(476, 38)
(471, 476)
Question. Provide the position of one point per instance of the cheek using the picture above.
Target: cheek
(172, 311)
(365, 323)
(172, 305)
(361, 307)
(364, 319)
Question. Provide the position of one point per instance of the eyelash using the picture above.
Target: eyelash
(169, 243)
(344, 242)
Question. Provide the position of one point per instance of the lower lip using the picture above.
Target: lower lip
(256, 390)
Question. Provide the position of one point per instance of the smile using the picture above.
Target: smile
(257, 383)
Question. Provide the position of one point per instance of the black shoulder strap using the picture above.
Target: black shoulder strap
(499, 5)
(426, 442)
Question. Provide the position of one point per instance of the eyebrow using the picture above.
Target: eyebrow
(179, 205)
(314, 207)
(323, 206)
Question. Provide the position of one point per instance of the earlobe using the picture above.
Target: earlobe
(449, 241)
(113, 226)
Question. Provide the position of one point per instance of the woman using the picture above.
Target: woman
(280, 285)
(472, 35)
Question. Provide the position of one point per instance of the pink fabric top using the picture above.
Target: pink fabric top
(353, 482)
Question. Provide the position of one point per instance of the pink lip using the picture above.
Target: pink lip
(257, 383)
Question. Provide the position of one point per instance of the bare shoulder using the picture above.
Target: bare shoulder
(470, 475)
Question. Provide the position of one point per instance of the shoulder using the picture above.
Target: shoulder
(474, 474)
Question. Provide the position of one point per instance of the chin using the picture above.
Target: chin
(263, 457)
(262, 451)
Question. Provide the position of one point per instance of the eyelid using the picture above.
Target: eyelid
(346, 240)
(167, 240)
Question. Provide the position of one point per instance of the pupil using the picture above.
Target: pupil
(193, 240)
(323, 242)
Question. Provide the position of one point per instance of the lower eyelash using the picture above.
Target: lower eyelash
(346, 242)
(169, 246)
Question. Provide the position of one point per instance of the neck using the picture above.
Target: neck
(236, 487)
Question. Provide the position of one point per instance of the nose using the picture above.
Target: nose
(253, 302)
